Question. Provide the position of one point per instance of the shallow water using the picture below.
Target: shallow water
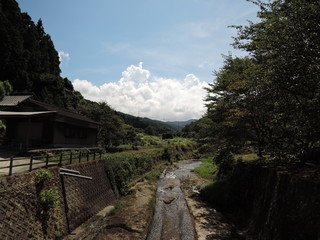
(172, 219)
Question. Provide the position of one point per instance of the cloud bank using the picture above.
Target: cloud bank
(139, 93)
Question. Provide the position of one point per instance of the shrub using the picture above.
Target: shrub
(42, 175)
(225, 162)
(124, 167)
(48, 198)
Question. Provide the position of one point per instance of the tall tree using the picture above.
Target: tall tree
(272, 97)
(29, 60)
(287, 44)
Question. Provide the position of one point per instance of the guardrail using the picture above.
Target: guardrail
(23, 164)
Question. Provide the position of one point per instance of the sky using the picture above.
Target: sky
(148, 58)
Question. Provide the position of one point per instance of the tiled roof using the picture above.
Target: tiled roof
(14, 100)
(23, 114)
(63, 112)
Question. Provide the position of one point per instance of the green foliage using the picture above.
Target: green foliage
(29, 60)
(270, 102)
(42, 175)
(247, 157)
(207, 169)
(2, 126)
(166, 155)
(148, 126)
(224, 160)
(167, 135)
(5, 89)
(155, 173)
(124, 167)
(112, 131)
(230, 192)
(49, 198)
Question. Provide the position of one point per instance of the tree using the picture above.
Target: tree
(271, 99)
(286, 44)
(112, 130)
(5, 89)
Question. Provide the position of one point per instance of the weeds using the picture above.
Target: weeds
(207, 169)
(49, 198)
(42, 175)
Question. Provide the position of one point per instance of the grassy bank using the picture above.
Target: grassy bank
(207, 169)
(146, 162)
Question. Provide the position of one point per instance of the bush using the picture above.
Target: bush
(48, 198)
(42, 175)
(166, 155)
(225, 162)
(124, 167)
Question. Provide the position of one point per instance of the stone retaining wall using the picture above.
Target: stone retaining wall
(23, 217)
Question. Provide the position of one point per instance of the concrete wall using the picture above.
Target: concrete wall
(273, 202)
(21, 214)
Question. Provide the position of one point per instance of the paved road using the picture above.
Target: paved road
(5, 155)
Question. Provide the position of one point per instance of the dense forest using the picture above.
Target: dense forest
(268, 102)
(29, 63)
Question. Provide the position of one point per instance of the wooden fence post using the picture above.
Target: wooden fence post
(31, 162)
(94, 155)
(11, 166)
(47, 160)
(79, 156)
(60, 160)
(70, 157)
(88, 155)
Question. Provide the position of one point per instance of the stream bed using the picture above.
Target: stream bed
(179, 212)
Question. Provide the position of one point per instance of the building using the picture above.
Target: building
(33, 124)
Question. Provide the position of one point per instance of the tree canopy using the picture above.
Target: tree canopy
(269, 101)
(29, 60)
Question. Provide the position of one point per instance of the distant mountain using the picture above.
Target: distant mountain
(144, 123)
(178, 125)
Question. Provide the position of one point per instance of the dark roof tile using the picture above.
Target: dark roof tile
(14, 100)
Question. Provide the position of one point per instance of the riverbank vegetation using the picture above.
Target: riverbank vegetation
(144, 161)
(268, 102)
(263, 117)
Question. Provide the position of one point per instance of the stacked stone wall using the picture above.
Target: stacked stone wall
(22, 216)
(86, 197)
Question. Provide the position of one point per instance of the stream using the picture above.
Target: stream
(172, 219)
(182, 216)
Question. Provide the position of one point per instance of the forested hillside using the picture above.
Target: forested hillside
(29, 60)
(30, 63)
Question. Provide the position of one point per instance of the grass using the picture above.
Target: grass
(247, 157)
(207, 168)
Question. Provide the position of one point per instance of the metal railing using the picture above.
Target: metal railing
(11, 165)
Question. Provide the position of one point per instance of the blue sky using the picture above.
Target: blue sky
(129, 49)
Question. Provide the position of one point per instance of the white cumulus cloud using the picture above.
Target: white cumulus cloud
(138, 92)
(64, 57)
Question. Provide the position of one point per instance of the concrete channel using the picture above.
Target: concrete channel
(172, 219)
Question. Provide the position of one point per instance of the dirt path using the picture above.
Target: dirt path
(5, 165)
